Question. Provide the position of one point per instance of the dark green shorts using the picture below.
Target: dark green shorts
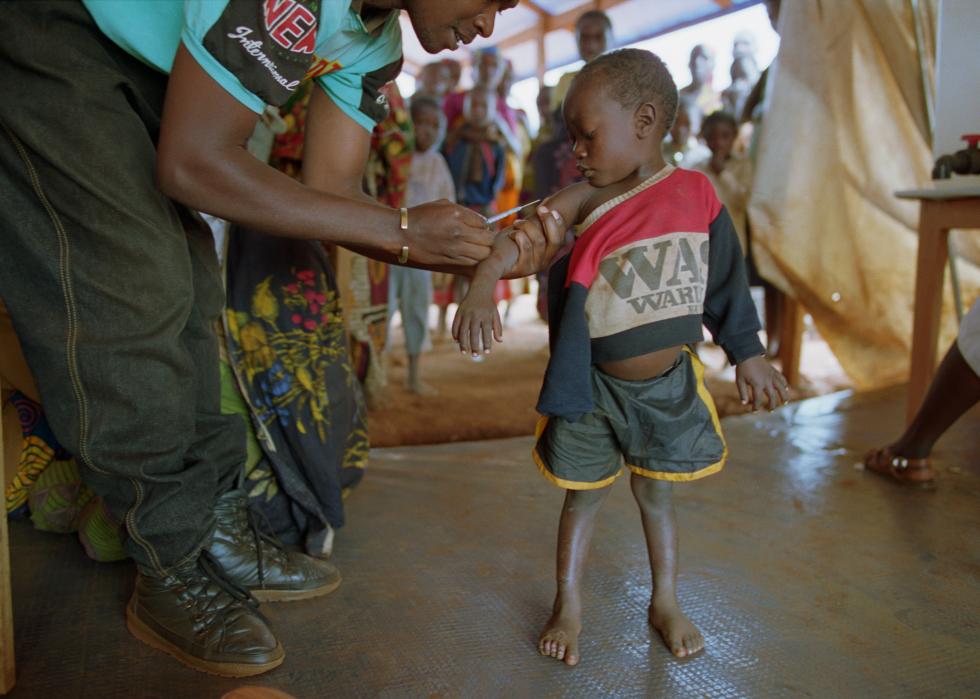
(665, 428)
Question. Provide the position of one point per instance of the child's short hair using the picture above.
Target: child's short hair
(718, 118)
(635, 76)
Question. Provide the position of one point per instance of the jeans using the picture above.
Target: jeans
(113, 288)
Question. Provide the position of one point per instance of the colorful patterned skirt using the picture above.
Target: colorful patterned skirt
(287, 348)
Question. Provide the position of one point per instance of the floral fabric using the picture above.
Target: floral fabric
(288, 348)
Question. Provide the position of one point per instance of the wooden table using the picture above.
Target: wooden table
(940, 210)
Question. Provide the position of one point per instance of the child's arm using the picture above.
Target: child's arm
(730, 315)
(477, 321)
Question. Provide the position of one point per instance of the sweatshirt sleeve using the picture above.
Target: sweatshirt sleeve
(729, 313)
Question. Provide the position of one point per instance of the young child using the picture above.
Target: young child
(655, 257)
(682, 148)
(730, 174)
(410, 290)
(475, 154)
(478, 161)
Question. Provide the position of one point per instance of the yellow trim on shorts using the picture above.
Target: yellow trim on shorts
(668, 476)
(710, 405)
(561, 482)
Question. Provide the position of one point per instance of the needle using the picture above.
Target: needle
(505, 214)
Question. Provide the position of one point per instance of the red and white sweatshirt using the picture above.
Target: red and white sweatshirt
(647, 271)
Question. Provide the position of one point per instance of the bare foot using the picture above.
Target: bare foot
(681, 636)
(560, 637)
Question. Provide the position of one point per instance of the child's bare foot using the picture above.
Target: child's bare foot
(681, 636)
(560, 637)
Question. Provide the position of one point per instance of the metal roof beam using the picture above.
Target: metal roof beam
(566, 20)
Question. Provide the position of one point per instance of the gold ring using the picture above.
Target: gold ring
(403, 257)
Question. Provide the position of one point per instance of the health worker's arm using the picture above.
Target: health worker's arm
(202, 162)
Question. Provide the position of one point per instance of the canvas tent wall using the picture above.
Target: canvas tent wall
(846, 127)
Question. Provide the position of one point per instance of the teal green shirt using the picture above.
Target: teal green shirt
(261, 51)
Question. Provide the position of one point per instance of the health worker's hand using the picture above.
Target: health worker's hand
(538, 241)
(443, 233)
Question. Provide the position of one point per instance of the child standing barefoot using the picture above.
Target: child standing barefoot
(655, 257)
(410, 290)
(730, 173)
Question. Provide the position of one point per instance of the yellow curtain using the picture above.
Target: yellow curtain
(844, 128)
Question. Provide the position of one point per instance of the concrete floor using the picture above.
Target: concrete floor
(807, 576)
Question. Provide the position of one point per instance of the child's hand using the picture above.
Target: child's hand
(756, 378)
(477, 323)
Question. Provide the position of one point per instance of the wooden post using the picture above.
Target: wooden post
(929, 275)
(791, 338)
(6, 602)
(542, 53)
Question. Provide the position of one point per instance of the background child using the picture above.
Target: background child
(682, 148)
(410, 290)
(477, 161)
(474, 153)
(656, 256)
(730, 174)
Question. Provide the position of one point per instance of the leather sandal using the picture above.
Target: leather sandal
(900, 469)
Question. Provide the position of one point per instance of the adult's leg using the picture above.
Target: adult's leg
(560, 636)
(954, 390)
(113, 302)
(112, 299)
(660, 529)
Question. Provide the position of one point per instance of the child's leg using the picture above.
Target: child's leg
(413, 371)
(415, 383)
(441, 324)
(415, 314)
(560, 636)
(660, 529)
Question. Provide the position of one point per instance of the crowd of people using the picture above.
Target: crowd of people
(495, 161)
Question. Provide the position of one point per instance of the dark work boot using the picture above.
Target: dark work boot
(257, 561)
(203, 619)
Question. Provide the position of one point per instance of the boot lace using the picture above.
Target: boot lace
(216, 574)
(264, 534)
(207, 607)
